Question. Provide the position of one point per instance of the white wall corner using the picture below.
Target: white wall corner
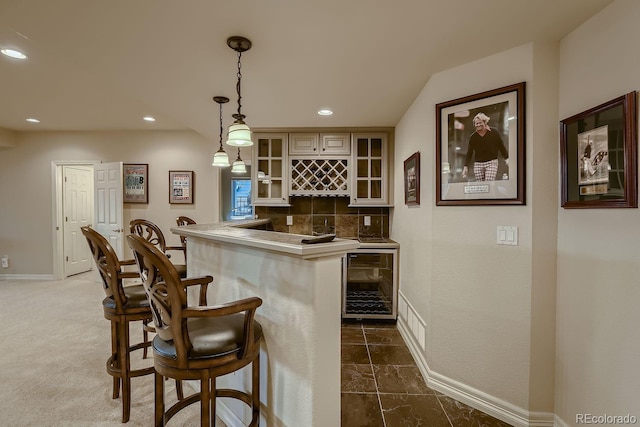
(498, 408)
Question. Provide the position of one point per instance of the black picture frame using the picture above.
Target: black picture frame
(181, 187)
(412, 179)
(598, 152)
(504, 184)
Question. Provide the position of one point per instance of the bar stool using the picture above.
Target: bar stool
(197, 342)
(122, 305)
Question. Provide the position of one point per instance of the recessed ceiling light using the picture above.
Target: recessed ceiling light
(325, 112)
(32, 120)
(12, 53)
(148, 119)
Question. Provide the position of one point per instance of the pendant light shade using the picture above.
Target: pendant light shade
(238, 165)
(239, 133)
(221, 159)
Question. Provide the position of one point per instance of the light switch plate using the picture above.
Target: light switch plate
(507, 235)
(289, 219)
(367, 221)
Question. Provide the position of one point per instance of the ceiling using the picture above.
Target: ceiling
(103, 65)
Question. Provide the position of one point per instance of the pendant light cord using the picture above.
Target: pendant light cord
(238, 87)
(221, 127)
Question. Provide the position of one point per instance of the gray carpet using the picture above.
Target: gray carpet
(55, 343)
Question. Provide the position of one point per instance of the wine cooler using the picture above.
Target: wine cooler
(369, 284)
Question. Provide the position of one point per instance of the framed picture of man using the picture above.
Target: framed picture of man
(480, 148)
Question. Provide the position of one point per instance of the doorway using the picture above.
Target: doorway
(72, 208)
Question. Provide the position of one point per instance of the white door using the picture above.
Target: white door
(78, 212)
(108, 204)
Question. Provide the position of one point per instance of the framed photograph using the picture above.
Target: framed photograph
(181, 187)
(598, 152)
(480, 148)
(412, 180)
(136, 183)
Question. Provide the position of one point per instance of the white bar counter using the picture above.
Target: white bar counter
(300, 286)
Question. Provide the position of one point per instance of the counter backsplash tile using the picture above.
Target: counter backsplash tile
(309, 214)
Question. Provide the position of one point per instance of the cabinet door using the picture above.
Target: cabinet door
(303, 143)
(268, 171)
(335, 143)
(369, 174)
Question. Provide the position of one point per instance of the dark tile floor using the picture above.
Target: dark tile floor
(383, 387)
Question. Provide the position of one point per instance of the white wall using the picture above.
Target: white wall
(499, 321)
(488, 333)
(598, 323)
(25, 172)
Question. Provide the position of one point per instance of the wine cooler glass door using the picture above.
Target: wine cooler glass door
(369, 285)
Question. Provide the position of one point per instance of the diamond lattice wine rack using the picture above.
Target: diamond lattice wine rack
(319, 177)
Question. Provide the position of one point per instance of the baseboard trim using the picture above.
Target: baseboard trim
(559, 422)
(475, 398)
(227, 416)
(26, 277)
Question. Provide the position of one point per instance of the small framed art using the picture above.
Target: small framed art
(412, 179)
(136, 183)
(598, 151)
(181, 187)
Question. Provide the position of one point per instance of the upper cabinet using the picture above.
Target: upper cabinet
(269, 171)
(323, 144)
(356, 165)
(370, 179)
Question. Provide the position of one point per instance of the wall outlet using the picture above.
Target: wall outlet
(367, 221)
(5, 261)
(289, 219)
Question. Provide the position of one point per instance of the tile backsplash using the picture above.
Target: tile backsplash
(323, 215)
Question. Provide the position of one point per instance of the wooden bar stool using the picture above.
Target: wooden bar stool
(197, 342)
(122, 305)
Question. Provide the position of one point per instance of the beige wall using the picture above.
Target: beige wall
(598, 318)
(489, 309)
(26, 230)
(549, 329)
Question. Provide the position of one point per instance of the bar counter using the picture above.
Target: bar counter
(300, 285)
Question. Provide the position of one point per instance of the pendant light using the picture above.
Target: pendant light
(221, 159)
(238, 165)
(239, 133)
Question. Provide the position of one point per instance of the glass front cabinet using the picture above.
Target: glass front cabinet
(269, 169)
(370, 176)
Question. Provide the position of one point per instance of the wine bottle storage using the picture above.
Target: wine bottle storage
(319, 176)
(368, 302)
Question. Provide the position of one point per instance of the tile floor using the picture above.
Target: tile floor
(383, 387)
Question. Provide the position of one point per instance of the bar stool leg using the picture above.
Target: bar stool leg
(158, 381)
